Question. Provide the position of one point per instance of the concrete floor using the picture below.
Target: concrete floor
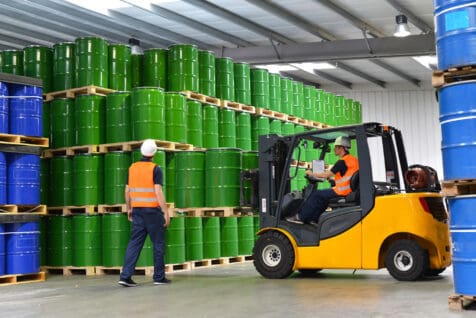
(234, 290)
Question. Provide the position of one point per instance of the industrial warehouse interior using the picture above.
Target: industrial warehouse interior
(256, 110)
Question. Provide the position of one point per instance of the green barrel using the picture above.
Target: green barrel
(229, 236)
(301, 178)
(309, 102)
(189, 179)
(243, 131)
(87, 243)
(170, 172)
(287, 128)
(88, 185)
(43, 239)
(115, 236)
(137, 62)
(120, 67)
(89, 114)
(92, 62)
(183, 68)
(275, 127)
(64, 61)
(146, 256)
(259, 126)
(160, 160)
(242, 80)
(46, 120)
(348, 111)
(286, 95)
(330, 109)
(249, 162)
(175, 241)
(246, 235)
(357, 112)
(194, 123)
(293, 174)
(339, 110)
(11, 61)
(222, 177)
(62, 123)
(302, 155)
(275, 92)
(59, 241)
(225, 78)
(298, 99)
(147, 113)
(175, 117)
(260, 87)
(320, 108)
(116, 167)
(210, 126)
(226, 128)
(256, 225)
(206, 78)
(44, 180)
(38, 63)
(211, 237)
(118, 117)
(155, 68)
(61, 190)
(193, 238)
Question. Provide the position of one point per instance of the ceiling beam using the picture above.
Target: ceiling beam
(358, 23)
(15, 41)
(422, 25)
(333, 79)
(392, 69)
(170, 15)
(334, 50)
(247, 24)
(35, 35)
(361, 74)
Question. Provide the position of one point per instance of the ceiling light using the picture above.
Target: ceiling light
(402, 26)
(309, 67)
(428, 61)
(276, 68)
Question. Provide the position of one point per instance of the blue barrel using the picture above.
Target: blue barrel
(457, 115)
(463, 236)
(3, 108)
(23, 175)
(455, 33)
(22, 248)
(2, 249)
(3, 178)
(26, 110)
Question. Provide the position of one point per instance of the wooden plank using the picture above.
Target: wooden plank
(112, 208)
(237, 107)
(73, 209)
(451, 188)
(201, 98)
(455, 74)
(461, 302)
(211, 211)
(29, 209)
(70, 270)
(10, 139)
(22, 278)
(73, 92)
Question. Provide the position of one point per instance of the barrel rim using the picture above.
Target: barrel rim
(183, 44)
(90, 38)
(155, 49)
(63, 43)
(37, 46)
(224, 148)
(148, 87)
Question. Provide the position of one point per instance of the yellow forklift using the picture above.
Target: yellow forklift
(400, 223)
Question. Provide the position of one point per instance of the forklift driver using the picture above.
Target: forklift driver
(342, 171)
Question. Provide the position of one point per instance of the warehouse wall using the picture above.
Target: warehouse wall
(414, 111)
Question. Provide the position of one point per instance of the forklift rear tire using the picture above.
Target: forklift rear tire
(406, 260)
(273, 255)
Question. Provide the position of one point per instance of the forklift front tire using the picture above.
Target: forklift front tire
(273, 255)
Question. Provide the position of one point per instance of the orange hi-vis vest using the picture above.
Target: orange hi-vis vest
(342, 186)
(141, 185)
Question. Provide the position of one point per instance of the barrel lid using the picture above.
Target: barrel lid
(224, 58)
(64, 43)
(243, 63)
(207, 51)
(119, 92)
(37, 46)
(147, 87)
(90, 38)
(11, 50)
(155, 49)
(224, 148)
(183, 44)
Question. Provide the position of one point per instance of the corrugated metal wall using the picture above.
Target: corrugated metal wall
(415, 113)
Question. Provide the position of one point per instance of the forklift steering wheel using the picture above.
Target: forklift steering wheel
(312, 179)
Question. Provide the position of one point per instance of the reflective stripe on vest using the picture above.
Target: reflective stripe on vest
(141, 185)
(342, 186)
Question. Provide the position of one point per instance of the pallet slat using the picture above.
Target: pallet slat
(455, 74)
(24, 140)
(22, 278)
(70, 270)
(458, 187)
(211, 211)
(73, 92)
(461, 302)
(15, 209)
(72, 209)
(237, 107)
(202, 98)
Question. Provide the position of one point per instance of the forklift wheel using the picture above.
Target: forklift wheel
(406, 260)
(273, 255)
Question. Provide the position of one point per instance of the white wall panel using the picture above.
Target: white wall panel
(415, 113)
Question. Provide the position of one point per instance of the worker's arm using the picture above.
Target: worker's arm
(128, 203)
(161, 198)
(323, 175)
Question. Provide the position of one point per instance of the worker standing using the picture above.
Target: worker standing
(147, 210)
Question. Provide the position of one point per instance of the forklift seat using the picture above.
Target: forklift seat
(352, 198)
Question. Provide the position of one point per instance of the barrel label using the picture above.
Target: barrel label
(457, 20)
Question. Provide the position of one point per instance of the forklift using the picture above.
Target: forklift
(399, 223)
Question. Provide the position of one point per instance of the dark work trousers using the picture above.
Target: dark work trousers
(316, 204)
(146, 221)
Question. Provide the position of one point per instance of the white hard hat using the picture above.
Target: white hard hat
(148, 148)
(342, 141)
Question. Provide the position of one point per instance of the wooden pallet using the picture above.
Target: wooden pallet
(458, 187)
(22, 278)
(316, 124)
(271, 114)
(218, 211)
(237, 106)
(173, 268)
(455, 74)
(461, 302)
(70, 270)
(293, 119)
(15, 209)
(116, 270)
(72, 209)
(202, 98)
(112, 208)
(70, 151)
(73, 92)
(23, 140)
